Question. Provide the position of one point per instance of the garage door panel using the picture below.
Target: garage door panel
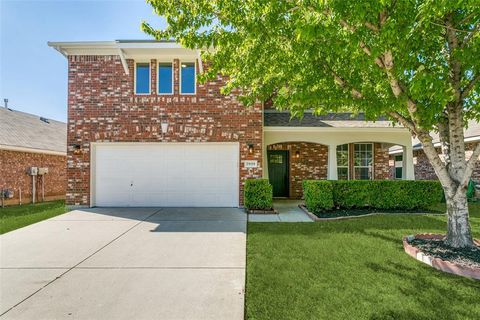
(176, 174)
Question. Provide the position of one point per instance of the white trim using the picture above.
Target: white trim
(32, 150)
(180, 78)
(172, 64)
(200, 62)
(332, 129)
(373, 160)
(149, 78)
(124, 61)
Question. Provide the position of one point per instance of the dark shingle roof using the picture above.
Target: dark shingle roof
(273, 118)
(25, 130)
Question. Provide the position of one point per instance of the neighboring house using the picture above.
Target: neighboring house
(27, 141)
(423, 168)
(143, 132)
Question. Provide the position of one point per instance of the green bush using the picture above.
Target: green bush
(258, 194)
(318, 195)
(373, 194)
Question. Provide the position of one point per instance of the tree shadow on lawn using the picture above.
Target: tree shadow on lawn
(366, 261)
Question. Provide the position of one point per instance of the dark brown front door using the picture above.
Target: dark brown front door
(278, 172)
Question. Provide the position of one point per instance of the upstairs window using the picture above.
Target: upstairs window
(142, 78)
(187, 78)
(165, 78)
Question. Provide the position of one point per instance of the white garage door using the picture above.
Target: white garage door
(165, 174)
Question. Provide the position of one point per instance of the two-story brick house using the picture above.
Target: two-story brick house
(143, 132)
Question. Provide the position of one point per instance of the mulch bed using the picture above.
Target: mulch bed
(437, 248)
(360, 212)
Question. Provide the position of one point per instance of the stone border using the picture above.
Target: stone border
(437, 263)
(315, 218)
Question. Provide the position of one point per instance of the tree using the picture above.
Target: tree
(417, 62)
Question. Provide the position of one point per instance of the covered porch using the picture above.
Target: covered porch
(353, 150)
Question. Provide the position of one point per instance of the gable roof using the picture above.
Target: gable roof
(20, 130)
(274, 118)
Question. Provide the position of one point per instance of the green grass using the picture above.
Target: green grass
(352, 269)
(15, 217)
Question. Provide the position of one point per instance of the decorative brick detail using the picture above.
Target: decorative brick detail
(13, 175)
(102, 107)
(381, 164)
(311, 163)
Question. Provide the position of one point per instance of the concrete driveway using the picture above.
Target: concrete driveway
(126, 263)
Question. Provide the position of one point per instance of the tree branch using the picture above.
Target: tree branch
(404, 121)
(470, 165)
(465, 92)
(469, 36)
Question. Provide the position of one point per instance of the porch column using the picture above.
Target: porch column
(332, 162)
(408, 171)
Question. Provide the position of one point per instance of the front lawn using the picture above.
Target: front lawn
(15, 217)
(352, 269)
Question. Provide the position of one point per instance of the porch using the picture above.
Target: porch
(330, 149)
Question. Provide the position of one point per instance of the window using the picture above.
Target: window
(398, 166)
(187, 78)
(142, 78)
(165, 79)
(363, 161)
(342, 162)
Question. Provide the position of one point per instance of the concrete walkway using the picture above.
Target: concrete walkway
(124, 263)
(288, 211)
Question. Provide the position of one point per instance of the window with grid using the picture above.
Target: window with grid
(342, 162)
(363, 161)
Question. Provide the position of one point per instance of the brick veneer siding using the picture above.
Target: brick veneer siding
(13, 175)
(381, 162)
(102, 107)
(312, 164)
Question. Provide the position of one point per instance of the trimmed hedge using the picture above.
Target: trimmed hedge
(258, 194)
(371, 194)
(318, 195)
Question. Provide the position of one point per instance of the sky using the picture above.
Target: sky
(33, 76)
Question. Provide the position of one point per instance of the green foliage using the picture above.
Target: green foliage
(318, 195)
(258, 194)
(292, 50)
(373, 194)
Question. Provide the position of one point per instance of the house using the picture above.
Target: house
(423, 168)
(143, 132)
(29, 141)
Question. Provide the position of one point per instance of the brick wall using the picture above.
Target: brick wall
(311, 163)
(381, 162)
(13, 175)
(424, 170)
(102, 107)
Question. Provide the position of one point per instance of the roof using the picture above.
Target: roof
(471, 134)
(273, 118)
(20, 130)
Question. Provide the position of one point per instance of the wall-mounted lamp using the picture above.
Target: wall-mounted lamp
(164, 126)
(77, 149)
(297, 154)
(250, 148)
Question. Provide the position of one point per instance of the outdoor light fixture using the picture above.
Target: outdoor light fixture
(250, 148)
(164, 126)
(297, 154)
(77, 149)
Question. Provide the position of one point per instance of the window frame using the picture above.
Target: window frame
(348, 160)
(194, 78)
(373, 160)
(398, 167)
(172, 64)
(149, 78)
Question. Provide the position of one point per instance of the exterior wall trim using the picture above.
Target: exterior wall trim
(31, 150)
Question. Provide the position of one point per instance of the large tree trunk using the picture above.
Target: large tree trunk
(459, 234)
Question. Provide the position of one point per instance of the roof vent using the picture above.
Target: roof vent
(44, 120)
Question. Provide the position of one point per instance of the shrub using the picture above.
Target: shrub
(318, 195)
(258, 194)
(374, 194)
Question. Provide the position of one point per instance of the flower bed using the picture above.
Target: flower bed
(432, 250)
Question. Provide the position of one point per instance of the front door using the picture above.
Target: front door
(278, 172)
